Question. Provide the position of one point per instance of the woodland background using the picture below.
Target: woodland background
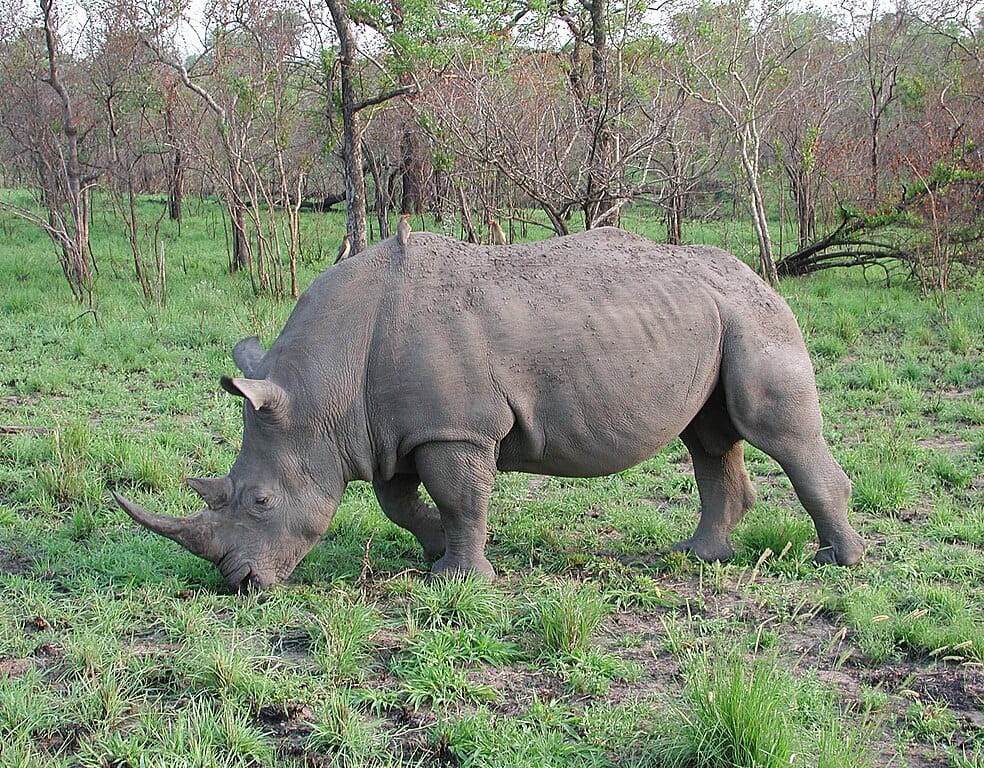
(845, 135)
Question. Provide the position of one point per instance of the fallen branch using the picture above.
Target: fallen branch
(17, 429)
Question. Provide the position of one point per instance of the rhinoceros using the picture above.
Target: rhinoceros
(440, 363)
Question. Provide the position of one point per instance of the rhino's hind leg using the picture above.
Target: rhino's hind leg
(824, 489)
(400, 501)
(725, 491)
(459, 477)
(772, 400)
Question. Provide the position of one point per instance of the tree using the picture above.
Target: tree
(248, 81)
(809, 125)
(879, 55)
(120, 82)
(737, 58)
(44, 119)
(355, 182)
(229, 132)
(352, 102)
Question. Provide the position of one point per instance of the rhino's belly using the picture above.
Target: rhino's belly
(582, 456)
(597, 415)
(602, 386)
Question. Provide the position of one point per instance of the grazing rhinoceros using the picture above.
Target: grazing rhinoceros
(440, 363)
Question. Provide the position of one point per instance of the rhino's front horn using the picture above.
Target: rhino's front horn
(190, 532)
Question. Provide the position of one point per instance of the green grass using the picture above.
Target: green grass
(566, 616)
(340, 730)
(598, 646)
(736, 714)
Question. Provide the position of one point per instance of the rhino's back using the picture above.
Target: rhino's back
(579, 355)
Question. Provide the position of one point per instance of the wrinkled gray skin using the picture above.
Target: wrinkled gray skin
(440, 363)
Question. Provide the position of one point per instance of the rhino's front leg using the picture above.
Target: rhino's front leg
(401, 503)
(459, 477)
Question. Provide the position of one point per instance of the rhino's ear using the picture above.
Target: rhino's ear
(264, 395)
(248, 354)
(214, 490)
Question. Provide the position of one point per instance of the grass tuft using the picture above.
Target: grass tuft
(785, 536)
(566, 616)
(884, 488)
(469, 601)
(341, 635)
(734, 715)
(341, 732)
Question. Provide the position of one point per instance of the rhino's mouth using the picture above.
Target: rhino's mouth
(238, 574)
(243, 577)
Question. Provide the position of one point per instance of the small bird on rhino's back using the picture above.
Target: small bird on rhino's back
(403, 229)
(496, 235)
(345, 248)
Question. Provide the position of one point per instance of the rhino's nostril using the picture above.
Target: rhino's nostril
(253, 582)
(236, 576)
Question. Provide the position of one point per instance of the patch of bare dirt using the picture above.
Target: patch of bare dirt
(15, 667)
(950, 443)
(955, 393)
(19, 400)
(14, 561)
(661, 670)
(961, 688)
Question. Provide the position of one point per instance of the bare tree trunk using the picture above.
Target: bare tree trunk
(175, 181)
(241, 256)
(355, 184)
(383, 200)
(466, 219)
(600, 206)
(295, 236)
(873, 158)
(556, 219)
(749, 151)
(412, 173)
(674, 218)
(806, 211)
(73, 233)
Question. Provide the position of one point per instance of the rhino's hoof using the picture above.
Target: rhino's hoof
(458, 567)
(706, 550)
(847, 553)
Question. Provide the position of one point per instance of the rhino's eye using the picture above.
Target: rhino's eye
(260, 500)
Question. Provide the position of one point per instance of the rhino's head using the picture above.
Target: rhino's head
(276, 502)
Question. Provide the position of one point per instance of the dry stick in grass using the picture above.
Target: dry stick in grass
(755, 571)
(835, 644)
(365, 573)
(16, 429)
(87, 312)
(404, 572)
(758, 632)
(952, 656)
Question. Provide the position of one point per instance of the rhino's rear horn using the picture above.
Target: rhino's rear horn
(216, 491)
(190, 532)
(248, 354)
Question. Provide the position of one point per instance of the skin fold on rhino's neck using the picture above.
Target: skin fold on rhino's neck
(320, 359)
